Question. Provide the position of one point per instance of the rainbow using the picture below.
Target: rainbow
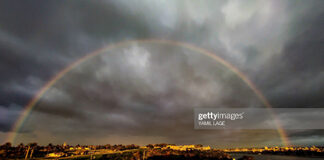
(29, 107)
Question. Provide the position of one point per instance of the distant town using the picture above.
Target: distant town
(150, 152)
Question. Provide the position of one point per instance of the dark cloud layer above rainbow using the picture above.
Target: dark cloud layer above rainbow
(139, 93)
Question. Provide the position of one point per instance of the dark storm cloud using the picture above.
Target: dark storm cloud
(37, 39)
(299, 67)
(139, 90)
(36, 42)
(276, 43)
(8, 116)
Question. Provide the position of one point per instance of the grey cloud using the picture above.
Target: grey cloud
(277, 44)
(8, 116)
(113, 96)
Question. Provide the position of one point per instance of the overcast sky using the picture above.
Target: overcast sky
(145, 92)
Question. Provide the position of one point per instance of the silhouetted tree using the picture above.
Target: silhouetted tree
(149, 146)
(6, 145)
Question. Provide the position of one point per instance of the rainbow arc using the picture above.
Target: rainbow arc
(29, 107)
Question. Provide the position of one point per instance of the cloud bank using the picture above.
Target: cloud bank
(136, 93)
